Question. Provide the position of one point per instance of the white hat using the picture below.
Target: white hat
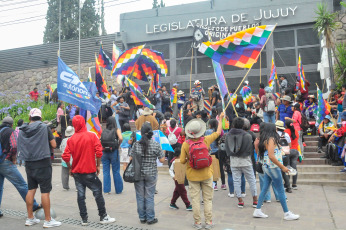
(147, 111)
(195, 128)
(197, 82)
(69, 131)
(180, 92)
(246, 82)
(35, 112)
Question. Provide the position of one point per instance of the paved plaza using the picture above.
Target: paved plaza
(319, 208)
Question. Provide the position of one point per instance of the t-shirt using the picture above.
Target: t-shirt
(122, 116)
(294, 143)
(261, 93)
(197, 174)
(176, 132)
(216, 95)
(34, 95)
(268, 162)
(59, 113)
(285, 112)
(297, 116)
(113, 99)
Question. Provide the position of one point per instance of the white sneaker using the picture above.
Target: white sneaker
(52, 223)
(30, 222)
(231, 195)
(290, 216)
(107, 220)
(243, 195)
(267, 201)
(259, 214)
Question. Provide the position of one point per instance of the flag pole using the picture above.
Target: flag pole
(252, 64)
(191, 69)
(260, 56)
(79, 6)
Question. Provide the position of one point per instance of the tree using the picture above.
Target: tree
(325, 24)
(158, 5)
(162, 4)
(90, 20)
(103, 28)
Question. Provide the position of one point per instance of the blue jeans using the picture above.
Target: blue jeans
(269, 117)
(9, 171)
(145, 191)
(268, 194)
(231, 185)
(108, 159)
(274, 176)
(164, 107)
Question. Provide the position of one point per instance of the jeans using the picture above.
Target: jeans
(164, 107)
(292, 161)
(108, 159)
(91, 181)
(9, 171)
(65, 176)
(269, 117)
(175, 111)
(273, 175)
(250, 177)
(180, 191)
(145, 191)
(268, 195)
(285, 177)
(322, 141)
(231, 185)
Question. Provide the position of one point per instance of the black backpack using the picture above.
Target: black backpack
(109, 140)
(305, 123)
(152, 99)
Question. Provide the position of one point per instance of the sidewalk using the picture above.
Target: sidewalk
(319, 208)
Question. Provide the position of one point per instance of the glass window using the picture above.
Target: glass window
(291, 78)
(310, 55)
(284, 58)
(183, 49)
(254, 82)
(185, 86)
(163, 49)
(307, 37)
(184, 67)
(284, 39)
(233, 83)
(313, 78)
(204, 65)
(263, 61)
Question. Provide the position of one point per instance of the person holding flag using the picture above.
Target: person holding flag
(47, 94)
(174, 100)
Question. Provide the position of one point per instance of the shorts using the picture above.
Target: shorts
(40, 177)
(124, 155)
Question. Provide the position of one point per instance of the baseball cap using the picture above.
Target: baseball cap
(8, 120)
(35, 112)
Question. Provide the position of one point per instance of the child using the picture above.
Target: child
(125, 146)
(65, 170)
(179, 188)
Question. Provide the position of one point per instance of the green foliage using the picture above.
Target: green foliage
(90, 20)
(103, 28)
(325, 22)
(343, 4)
(158, 5)
(341, 55)
(162, 4)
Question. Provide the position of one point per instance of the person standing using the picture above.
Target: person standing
(240, 149)
(125, 146)
(284, 109)
(200, 179)
(65, 174)
(129, 100)
(34, 142)
(284, 84)
(268, 105)
(122, 109)
(110, 140)
(84, 147)
(8, 168)
(174, 100)
(47, 94)
(149, 151)
(261, 91)
(158, 97)
(34, 94)
(166, 99)
(147, 116)
(297, 121)
(197, 93)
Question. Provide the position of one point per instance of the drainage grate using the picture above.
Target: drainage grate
(92, 225)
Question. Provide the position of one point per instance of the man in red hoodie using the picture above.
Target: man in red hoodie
(84, 146)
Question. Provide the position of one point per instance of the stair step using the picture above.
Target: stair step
(311, 143)
(318, 168)
(324, 182)
(310, 138)
(322, 176)
(314, 161)
(313, 155)
(310, 149)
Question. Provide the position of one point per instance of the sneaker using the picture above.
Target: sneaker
(173, 206)
(85, 222)
(156, 192)
(241, 205)
(288, 190)
(223, 187)
(319, 150)
(231, 195)
(154, 221)
(259, 214)
(107, 193)
(30, 222)
(1, 215)
(343, 170)
(304, 144)
(243, 194)
(267, 201)
(290, 216)
(52, 223)
(107, 219)
(294, 187)
(143, 221)
(197, 226)
(215, 188)
(189, 208)
(254, 204)
(209, 226)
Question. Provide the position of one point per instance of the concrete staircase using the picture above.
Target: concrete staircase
(317, 171)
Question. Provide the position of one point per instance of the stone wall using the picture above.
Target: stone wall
(20, 83)
(340, 32)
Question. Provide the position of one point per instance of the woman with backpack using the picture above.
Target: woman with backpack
(268, 105)
(297, 121)
(294, 154)
(240, 107)
(173, 133)
(110, 139)
(268, 148)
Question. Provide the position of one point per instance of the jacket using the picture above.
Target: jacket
(238, 143)
(83, 146)
(142, 119)
(8, 141)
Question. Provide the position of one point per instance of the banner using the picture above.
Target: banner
(71, 90)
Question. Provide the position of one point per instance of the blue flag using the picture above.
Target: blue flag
(72, 90)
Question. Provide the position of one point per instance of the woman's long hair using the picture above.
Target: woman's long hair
(289, 125)
(59, 105)
(213, 124)
(111, 123)
(173, 123)
(267, 131)
(297, 107)
(147, 134)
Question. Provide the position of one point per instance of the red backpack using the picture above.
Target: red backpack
(199, 154)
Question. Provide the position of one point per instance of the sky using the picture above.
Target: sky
(22, 22)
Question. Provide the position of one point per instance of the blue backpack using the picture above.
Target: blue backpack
(2, 155)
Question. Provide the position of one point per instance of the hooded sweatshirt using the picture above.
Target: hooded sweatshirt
(83, 146)
(33, 142)
(239, 147)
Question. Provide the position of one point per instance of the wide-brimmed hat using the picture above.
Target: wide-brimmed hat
(286, 98)
(69, 131)
(195, 128)
(180, 92)
(175, 84)
(280, 125)
(267, 89)
(197, 82)
(147, 111)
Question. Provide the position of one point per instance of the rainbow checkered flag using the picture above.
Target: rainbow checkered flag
(273, 75)
(207, 106)
(301, 74)
(240, 49)
(246, 93)
(138, 96)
